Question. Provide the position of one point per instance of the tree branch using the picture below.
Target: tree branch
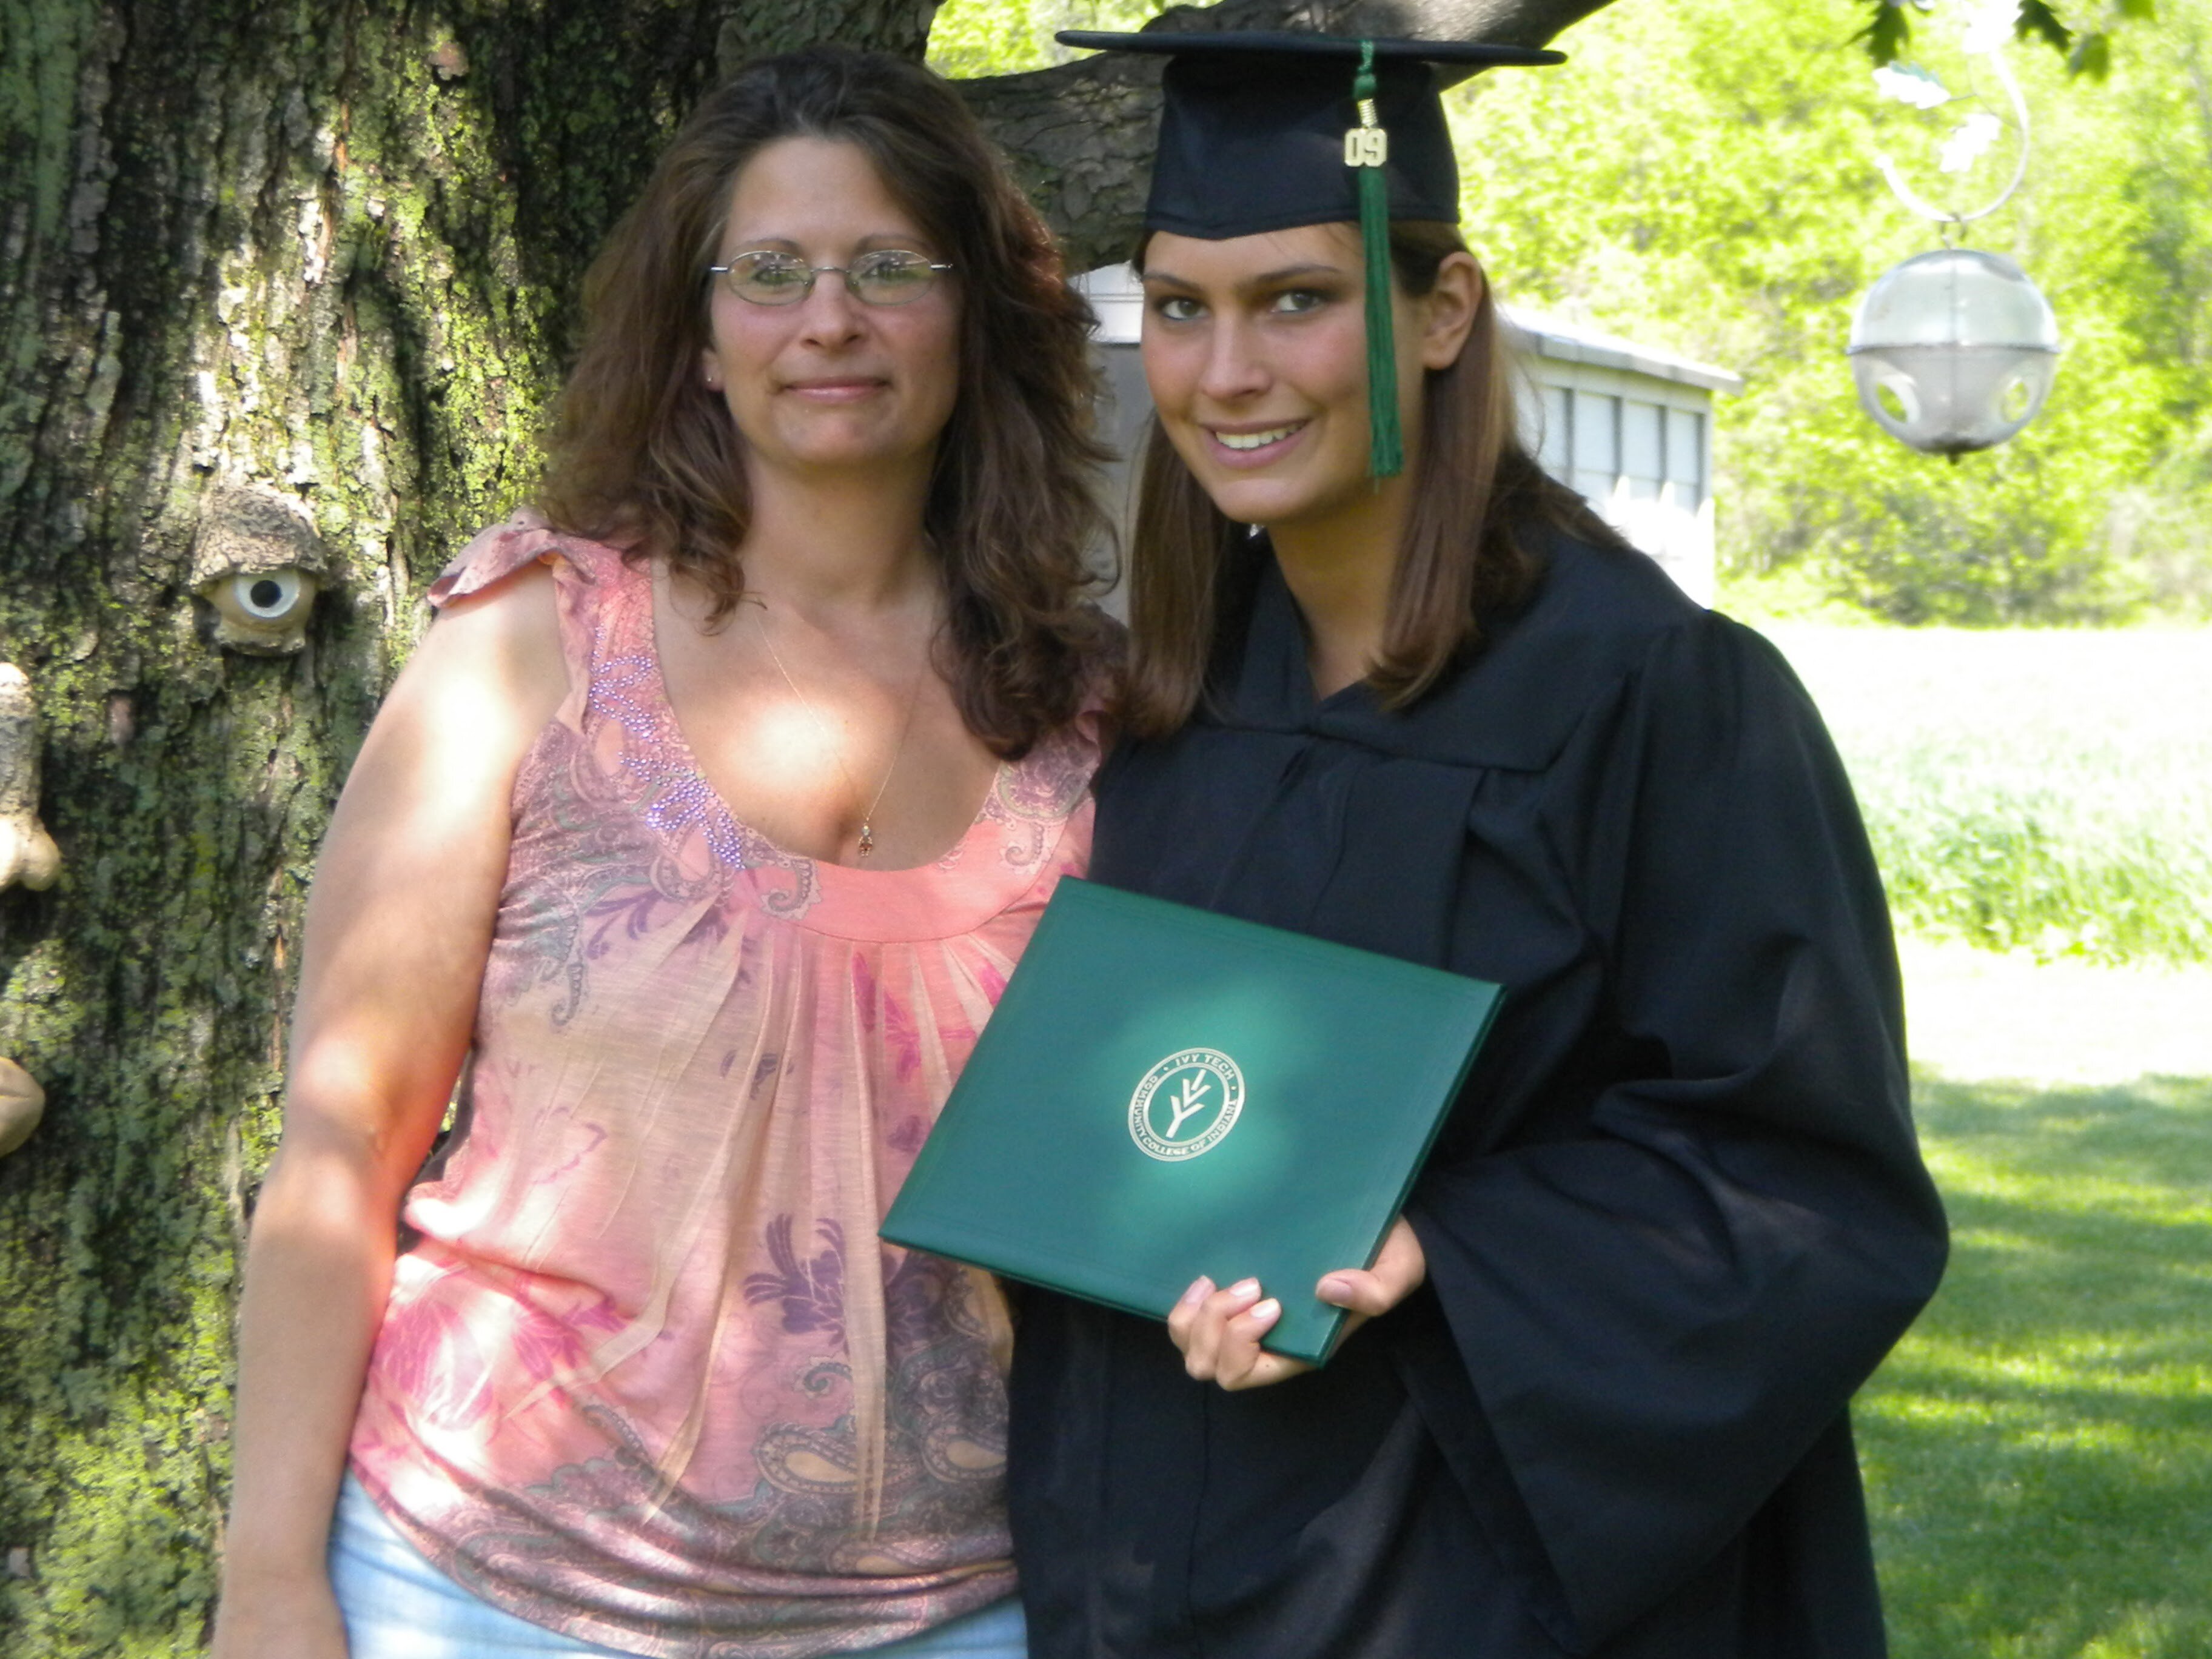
(1080, 134)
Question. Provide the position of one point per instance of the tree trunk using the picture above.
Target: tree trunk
(282, 288)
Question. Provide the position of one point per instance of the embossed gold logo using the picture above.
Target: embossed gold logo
(1185, 1104)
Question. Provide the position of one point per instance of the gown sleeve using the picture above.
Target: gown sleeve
(1662, 1308)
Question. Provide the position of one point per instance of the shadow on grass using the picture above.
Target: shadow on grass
(2039, 1449)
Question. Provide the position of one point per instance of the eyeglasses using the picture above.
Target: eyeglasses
(889, 276)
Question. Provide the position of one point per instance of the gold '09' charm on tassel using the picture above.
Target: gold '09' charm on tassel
(1366, 145)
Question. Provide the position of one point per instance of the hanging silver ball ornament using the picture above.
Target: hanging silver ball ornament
(1954, 350)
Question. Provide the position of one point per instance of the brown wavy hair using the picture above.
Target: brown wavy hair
(1463, 559)
(642, 455)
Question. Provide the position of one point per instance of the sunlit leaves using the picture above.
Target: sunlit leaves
(2086, 49)
(971, 38)
(2092, 56)
(1699, 178)
(1889, 34)
(1909, 83)
(1970, 141)
(2039, 22)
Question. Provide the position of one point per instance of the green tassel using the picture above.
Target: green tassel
(1386, 445)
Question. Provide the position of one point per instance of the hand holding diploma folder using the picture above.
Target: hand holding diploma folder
(1165, 1093)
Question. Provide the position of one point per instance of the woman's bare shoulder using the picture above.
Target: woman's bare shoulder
(493, 654)
(448, 743)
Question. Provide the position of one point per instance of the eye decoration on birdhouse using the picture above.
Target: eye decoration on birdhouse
(259, 603)
(259, 564)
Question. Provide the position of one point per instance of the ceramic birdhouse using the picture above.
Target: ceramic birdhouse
(259, 563)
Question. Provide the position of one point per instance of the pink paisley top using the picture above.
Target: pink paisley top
(649, 1377)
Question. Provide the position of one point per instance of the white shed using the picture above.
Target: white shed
(1631, 430)
(1628, 426)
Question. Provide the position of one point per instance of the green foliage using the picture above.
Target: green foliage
(1889, 33)
(2086, 51)
(1700, 176)
(2039, 22)
(2041, 790)
(973, 38)
(2039, 1449)
(2092, 56)
(2012, 871)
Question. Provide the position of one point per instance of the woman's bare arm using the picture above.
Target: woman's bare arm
(397, 929)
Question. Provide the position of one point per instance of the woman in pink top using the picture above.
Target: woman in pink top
(667, 843)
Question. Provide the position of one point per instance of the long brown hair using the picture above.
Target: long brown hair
(1462, 561)
(644, 456)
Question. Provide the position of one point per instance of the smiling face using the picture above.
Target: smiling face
(1255, 351)
(829, 384)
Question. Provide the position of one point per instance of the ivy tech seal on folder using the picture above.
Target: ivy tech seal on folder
(1164, 1092)
(1196, 1083)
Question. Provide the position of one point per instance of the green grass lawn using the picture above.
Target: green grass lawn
(2042, 789)
(2039, 1449)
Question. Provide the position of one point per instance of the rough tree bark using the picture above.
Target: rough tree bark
(319, 259)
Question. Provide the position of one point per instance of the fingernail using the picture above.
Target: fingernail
(1200, 1288)
(1334, 1289)
(1266, 1311)
(1245, 1287)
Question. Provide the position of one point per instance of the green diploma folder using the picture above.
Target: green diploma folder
(1164, 1092)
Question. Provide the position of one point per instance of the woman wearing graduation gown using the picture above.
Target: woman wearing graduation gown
(1594, 1401)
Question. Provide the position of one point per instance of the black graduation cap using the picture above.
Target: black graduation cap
(1265, 130)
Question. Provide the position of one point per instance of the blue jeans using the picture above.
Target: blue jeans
(397, 1606)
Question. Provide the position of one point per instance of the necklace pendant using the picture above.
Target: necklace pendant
(867, 838)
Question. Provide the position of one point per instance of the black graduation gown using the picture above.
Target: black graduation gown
(1676, 1218)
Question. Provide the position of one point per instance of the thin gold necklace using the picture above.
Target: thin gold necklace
(822, 729)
